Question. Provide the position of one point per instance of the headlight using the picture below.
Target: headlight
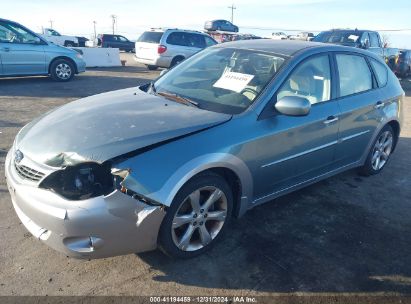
(81, 181)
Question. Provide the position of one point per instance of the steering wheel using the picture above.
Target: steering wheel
(249, 90)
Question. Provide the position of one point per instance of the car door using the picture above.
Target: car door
(359, 103)
(125, 43)
(121, 42)
(21, 52)
(227, 26)
(298, 148)
(109, 41)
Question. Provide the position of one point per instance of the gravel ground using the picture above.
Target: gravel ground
(345, 236)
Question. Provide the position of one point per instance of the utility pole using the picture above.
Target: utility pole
(51, 24)
(232, 7)
(95, 32)
(114, 17)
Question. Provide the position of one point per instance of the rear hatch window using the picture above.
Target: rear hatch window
(151, 37)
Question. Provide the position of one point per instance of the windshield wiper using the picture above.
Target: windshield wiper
(179, 99)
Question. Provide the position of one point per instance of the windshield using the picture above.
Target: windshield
(343, 37)
(221, 79)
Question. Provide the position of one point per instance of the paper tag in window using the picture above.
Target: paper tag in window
(233, 81)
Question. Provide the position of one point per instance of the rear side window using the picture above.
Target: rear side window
(151, 37)
(195, 40)
(177, 38)
(187, 39)
(355, 75)
(381, 72)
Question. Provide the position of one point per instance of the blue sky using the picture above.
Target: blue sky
(77, 16)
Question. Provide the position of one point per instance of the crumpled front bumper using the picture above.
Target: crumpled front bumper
(94, 228)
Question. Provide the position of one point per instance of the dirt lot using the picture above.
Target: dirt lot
(345, 235)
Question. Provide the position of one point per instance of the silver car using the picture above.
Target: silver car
(168, 47)
(169, 163)
(24, 53)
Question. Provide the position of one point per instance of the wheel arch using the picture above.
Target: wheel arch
(65, 58)
(234, 182)
(179, 56)
(66, 42)
(395, 125)
(230, 167)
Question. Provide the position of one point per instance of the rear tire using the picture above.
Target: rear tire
(175, 61)
(380, 152)
(152, 67)
(197, 217)
(62, 70)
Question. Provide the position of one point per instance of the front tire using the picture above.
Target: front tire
(380, 152)
(152, 67)
(62, 70)
(69, 44)
(197, 217)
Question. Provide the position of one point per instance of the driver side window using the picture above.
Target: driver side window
(310, 80)
(11, 33)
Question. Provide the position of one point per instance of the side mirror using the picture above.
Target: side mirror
(293, 106)
(163, 72)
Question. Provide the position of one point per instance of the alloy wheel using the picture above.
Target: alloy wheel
(63, 71)
(199, 219)
(382, 150)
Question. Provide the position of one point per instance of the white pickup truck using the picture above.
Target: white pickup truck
(55, 37)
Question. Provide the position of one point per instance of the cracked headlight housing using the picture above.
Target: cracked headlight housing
(81, 182)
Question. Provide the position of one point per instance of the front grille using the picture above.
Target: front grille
(28, 173)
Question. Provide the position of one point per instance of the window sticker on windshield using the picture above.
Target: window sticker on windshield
(353, 37)
(233, 81)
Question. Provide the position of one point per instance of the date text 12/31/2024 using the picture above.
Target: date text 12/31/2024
(205, 299)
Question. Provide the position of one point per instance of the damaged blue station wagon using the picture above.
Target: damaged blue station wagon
(169, 163)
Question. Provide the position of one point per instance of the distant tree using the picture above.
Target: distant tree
(386, 40)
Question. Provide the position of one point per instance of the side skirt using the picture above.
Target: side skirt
(301, 185)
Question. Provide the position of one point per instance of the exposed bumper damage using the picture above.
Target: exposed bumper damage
(73, 203)
(94, 228)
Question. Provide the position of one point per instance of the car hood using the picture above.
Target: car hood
(60, 48)
(105, 126)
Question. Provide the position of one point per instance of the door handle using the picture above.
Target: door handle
(379, 105)
(6, 49)
(330, 119)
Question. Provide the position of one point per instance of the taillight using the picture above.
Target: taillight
(161, 49)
